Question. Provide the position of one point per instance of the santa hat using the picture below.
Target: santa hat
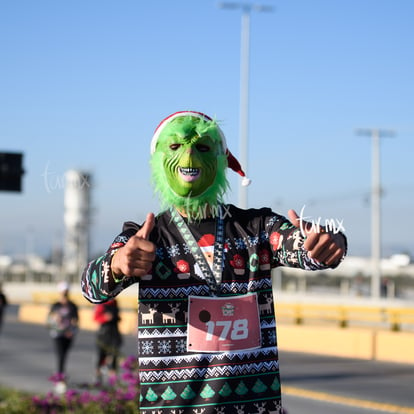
(231, 160)
(206, 241)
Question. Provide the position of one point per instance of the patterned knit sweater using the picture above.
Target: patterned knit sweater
(173, 378)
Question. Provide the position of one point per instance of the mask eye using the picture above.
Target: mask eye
(202, 148)
(174, 147)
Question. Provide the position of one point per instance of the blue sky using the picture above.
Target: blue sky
(84, 83)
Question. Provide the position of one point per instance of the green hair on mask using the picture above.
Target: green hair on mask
(182, 144)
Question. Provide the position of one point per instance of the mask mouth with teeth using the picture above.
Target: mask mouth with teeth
(188, 163)
(189, 174)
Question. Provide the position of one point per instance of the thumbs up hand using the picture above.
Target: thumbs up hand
(325, 247)
(136, 256)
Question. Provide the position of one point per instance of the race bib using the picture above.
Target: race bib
(217, 324)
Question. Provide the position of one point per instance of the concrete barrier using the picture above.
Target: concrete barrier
(362, 343)
(33, 313)
(395, 347)
(323, 340)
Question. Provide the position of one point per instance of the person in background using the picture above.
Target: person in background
(108, 339)
(63, 321)
(3, 304)
(207, 338)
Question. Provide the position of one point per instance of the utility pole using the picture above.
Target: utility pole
(244, 82)
(376, 193)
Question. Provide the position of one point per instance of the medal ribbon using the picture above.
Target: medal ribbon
(212, 277)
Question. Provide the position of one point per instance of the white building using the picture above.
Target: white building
(77, 221)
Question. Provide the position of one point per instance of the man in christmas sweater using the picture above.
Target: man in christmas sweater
(206, 324)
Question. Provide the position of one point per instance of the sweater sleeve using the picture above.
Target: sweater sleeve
(287, 243)
(97, 283)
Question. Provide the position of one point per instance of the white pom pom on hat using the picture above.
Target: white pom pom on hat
(235, 166)
(232, 161)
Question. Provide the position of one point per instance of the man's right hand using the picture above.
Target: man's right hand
(136, 256)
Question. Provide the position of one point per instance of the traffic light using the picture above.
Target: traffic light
(11, 171)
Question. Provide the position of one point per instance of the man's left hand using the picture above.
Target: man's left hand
(324, 246)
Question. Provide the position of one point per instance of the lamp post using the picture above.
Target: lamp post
(244, 82)
(376, 193)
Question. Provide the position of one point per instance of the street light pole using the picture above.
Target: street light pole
(244, 83)
(376, 193)
(244, 98)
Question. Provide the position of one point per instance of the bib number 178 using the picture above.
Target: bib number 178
(236, 329)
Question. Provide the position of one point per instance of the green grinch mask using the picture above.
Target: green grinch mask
(188, 163)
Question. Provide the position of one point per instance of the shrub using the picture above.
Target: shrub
(119, 396)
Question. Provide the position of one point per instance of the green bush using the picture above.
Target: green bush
(15, 402)
(120, 396)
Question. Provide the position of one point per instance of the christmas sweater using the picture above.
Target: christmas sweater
(174, 379)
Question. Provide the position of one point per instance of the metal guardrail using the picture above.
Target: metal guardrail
(391, 318)
(44, 297)
(344, 315)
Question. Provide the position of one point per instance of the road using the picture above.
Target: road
(311, 384)
(345, 386)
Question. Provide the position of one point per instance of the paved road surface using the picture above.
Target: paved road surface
(311, 384)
